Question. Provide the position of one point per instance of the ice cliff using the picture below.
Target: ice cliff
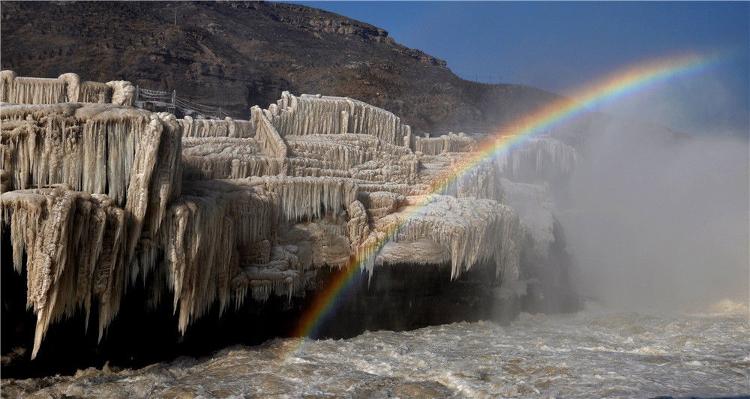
(99, 196)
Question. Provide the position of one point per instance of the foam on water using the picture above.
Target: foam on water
(594, 353)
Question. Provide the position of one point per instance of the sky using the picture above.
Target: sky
(561, 46)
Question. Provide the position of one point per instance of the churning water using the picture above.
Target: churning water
(594, 353)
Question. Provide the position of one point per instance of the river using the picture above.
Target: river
(593, 353)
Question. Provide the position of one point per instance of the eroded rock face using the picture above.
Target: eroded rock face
(216, 213)
(234, 55)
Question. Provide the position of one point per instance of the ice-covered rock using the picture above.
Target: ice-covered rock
(96, 199)
(538, 159)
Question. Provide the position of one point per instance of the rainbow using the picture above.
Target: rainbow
(601, 92)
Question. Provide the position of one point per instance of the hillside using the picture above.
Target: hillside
(235, 55)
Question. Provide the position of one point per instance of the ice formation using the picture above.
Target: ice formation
(75, 244)
(444, 144)
(316, 114)
(66, 88)
(470, 230)
(535, 209)
(539, 159)
(100, 195)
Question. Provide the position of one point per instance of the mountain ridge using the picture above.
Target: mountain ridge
(235, 55)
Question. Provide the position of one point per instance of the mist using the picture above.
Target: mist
(658, 220)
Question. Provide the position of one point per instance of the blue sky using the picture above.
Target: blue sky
(559, 46)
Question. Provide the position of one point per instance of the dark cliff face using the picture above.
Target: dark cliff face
(235, 55)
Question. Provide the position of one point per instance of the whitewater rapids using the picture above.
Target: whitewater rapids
(594, 353)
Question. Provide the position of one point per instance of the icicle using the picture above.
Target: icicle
(73, 248)
(123, 92)
(539, 159)
(95, 92)
(308, 114)
(203, 250)
(270, 141)
(470, 230)
(73, 85)
(90, 148)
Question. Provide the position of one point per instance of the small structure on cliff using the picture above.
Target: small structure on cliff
(99, 196)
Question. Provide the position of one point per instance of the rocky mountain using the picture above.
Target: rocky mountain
(238, 54)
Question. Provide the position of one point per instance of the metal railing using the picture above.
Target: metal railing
(170, 102)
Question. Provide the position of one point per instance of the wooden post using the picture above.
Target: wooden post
(174, 97)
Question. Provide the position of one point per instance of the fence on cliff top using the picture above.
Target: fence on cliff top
(170, 102)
